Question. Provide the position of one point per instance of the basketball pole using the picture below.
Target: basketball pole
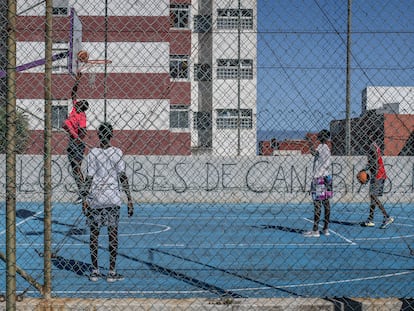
(106, 57)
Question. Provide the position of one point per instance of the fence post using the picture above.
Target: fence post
(11, 160)
(47, 156)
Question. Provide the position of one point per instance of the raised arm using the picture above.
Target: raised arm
(75, 86)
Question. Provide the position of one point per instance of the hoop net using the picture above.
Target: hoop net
(92, 73)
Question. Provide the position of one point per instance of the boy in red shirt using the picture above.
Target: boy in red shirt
(376, 168)
(75, 126)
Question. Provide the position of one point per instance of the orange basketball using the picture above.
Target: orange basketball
(83, 56)
(363, 177)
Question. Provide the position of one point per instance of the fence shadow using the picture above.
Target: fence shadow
(78, 267)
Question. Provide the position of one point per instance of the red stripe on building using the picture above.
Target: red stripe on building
(153, 142)
(180, 93)
(180, 42)
(125, 28)
(120, 29)
(119, 85)
(32, 28)
(131, 142)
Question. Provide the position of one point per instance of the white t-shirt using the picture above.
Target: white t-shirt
(105, 165)
(322, 161)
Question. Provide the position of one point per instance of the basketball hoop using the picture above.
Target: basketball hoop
(92, 73)
(93, 62)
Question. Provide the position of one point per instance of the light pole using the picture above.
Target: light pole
(348, 82)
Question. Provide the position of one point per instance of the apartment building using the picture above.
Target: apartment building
(388, 114)
(182, 77)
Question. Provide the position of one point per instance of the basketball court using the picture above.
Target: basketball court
(216, 250)
(230, 250)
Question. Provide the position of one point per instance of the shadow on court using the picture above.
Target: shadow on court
(346, 223)
(282, 228)
(252, 251)
(78, 267)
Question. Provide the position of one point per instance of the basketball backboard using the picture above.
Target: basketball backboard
(75, 41)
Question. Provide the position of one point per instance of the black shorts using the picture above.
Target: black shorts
(103, 217)
(376, 187)
(75, 151)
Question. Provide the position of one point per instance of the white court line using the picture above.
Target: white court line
(23, 221)
(404, 225)
(343, 237)
(390, 275)
(336, 233)
(165, 228)
(250, 245)
(273, 287)
(217, 217)
(242, 245)
(386, 238)
(207, 246)
(377, 277)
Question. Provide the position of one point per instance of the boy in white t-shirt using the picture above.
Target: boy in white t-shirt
(102, 198)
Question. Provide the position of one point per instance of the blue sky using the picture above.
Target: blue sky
(302, 58)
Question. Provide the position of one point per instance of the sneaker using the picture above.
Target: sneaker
(388, 221)
(326, 232)
(95, 276)
(368, 223)
(113, 277)
(311, 234)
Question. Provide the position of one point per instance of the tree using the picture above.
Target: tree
(22, 131)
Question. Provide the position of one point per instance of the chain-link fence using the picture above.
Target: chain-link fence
(215, 109)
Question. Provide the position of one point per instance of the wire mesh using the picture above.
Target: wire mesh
(216, 107)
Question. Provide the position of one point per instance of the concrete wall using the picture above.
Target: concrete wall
(280, 179)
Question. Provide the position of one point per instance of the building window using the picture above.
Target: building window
(229, 69)
(179, 116)
(229, 18)
(179, 66)
(179, 15)
(60, 7)
(228, 118)
(202, 23)
(202, 72)
(59, 113)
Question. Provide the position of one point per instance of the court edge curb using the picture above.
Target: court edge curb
(274, 304)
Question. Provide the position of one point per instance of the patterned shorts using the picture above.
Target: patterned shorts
(102, 217)
(321, 188)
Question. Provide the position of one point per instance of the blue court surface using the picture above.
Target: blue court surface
(222, 250)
